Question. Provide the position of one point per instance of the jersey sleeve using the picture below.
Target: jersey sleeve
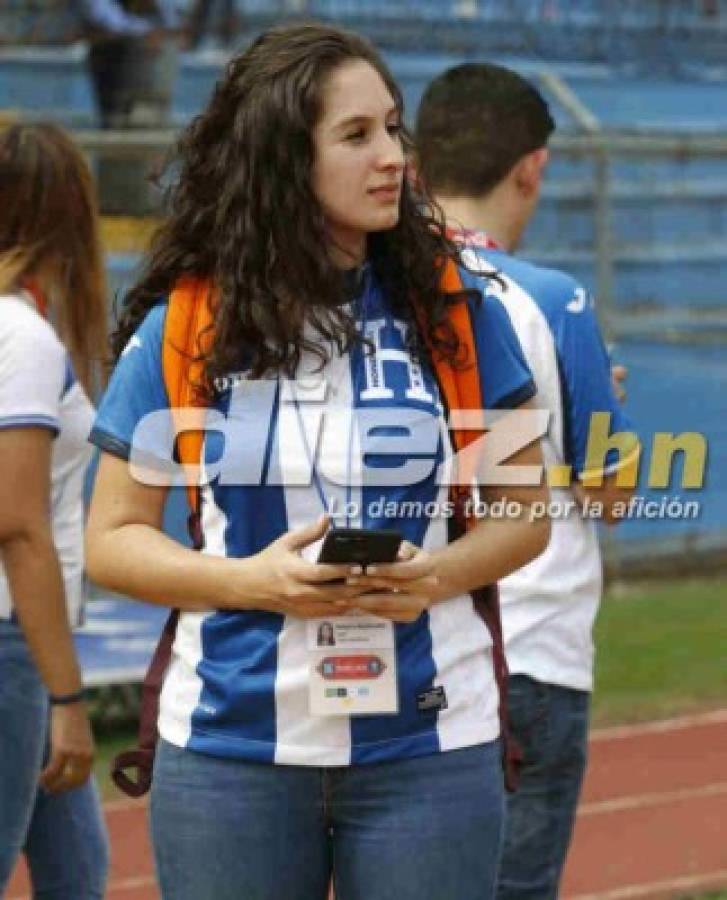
(585, 376)
(506, 379)
(135, 391)
(33, 365)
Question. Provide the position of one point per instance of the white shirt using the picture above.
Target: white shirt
(38, 388)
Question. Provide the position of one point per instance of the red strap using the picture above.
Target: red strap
(487, 603)
(33, 288)
(473, 238)
(142, 758)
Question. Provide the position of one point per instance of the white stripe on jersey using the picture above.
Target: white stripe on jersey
(302, 739)
(538, 345)
(460, 649)
(182, 688)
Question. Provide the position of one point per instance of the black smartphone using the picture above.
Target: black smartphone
(360, 546)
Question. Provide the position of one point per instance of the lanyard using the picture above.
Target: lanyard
(473, 238)
(33, 288)
(309, 456)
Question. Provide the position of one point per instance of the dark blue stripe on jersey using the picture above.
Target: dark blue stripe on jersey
(110, 444)
(237, 703)
(569, 452)
(30, 422)
(240, 649)
(70, 378)
(518, 397)
(380, 738)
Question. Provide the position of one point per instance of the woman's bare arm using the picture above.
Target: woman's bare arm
(36, 587)
(127, 552)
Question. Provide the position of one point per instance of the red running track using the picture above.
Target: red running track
(652, 822)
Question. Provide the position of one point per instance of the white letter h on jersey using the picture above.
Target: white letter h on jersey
(374, 366)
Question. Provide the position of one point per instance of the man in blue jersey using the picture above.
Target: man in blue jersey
(482, 134)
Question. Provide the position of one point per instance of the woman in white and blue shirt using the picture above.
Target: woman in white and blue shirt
(52, 326)
(291, 197)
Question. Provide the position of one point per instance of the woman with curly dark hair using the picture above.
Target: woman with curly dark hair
(279, 762)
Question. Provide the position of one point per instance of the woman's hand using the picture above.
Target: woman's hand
(618, 382)
(71, 749)
(289, 584)
(400, 591)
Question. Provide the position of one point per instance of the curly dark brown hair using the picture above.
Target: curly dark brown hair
(243, 214)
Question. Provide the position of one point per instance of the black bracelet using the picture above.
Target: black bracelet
(66, 699)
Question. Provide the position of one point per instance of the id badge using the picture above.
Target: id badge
(352, 666)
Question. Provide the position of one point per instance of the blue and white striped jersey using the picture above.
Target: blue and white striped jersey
(238, 682)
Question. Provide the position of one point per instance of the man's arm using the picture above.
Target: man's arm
(34, 576)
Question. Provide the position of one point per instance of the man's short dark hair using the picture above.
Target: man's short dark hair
(474, 123)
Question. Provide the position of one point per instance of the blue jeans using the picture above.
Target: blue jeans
(62, 835)
(414, 829)
(551, 725)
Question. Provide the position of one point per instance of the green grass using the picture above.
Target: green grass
(712, 895)
(661, 650)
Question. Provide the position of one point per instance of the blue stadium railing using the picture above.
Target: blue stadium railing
(657, 33)
(619, 13)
